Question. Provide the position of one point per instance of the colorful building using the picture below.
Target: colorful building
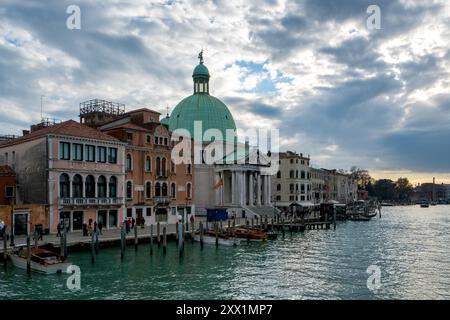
(77, 171)
(156, 190)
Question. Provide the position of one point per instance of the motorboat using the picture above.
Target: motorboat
(41, 261)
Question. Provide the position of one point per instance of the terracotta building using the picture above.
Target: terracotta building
(7, 185)
(156, 190)
(77, 171)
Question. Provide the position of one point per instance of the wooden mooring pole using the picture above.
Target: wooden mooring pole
(122, 241)
(135, 238)
(28, 255)
(180, 240)
(93, 247)
(5, 244)
(164, 240)
(151, 239)
(334, 219)
(158, 240)
(217, 234)
(97, 244)
(176, 233)
(35, 238)
(61, 246)
(201, 235)
(65, 243)
(192, 231)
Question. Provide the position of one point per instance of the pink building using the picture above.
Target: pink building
(76, 170)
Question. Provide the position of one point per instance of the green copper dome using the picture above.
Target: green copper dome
(201, 70)
(201, 106)
(212, 112)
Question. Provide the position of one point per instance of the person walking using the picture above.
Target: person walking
(133, 221)
(95, 226)
(58, 228)
(127, 226)
(100, 227)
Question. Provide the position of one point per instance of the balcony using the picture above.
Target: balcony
(84, 202)
(162, 200)
(161, 175)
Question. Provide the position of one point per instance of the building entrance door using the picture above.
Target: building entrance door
(21, 223)
(77, 220)
(138, 216)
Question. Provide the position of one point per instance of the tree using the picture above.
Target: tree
(384, 189)
(362, 177)
(403, 188)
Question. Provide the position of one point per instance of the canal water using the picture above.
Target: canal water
(409, 246)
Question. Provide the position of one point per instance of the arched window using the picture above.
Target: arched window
(64, 186)
(113, 187)
(163, 165)
(172, 167)
(148, 164)
(291, 174)
(157, 189)
(129, 162)
(296, 174)
(189, 191)
(148, 190)
(278, 187)
(77, 186)
(164, 189)
(158, 166)
(173, 190)
(101, 187)
(279, 174)
(90, 187)
(129, 190)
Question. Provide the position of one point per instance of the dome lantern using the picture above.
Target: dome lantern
(201, 77)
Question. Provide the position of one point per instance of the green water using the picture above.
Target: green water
(410, 245)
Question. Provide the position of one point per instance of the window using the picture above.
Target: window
(291, 174)
(189, 191)
(90, 187)
(101, 154)
(112, 155)
(279, 174)
(302, 188)
(148, 211)
(164, 189)
(173, 211)
(148, 190)
(129, 136)
(101, 187)
(292, 160)
(278, 187)
(113, 187)
(64, 186)
(156, 140)
(303, 175)
(278, 198)
(291, 187)
(172, 167)
(291, 198)
(158, 166)
(129, 190)
(64, 151)
(9, 192)
(148, 138)
(148, 164)
(77, 150)
(163, 166)
(189, 168)
(173, 192)
(129, 212)
(302, 198)
(77, 186)
(161, 140)
(129, 163)
(157, 189)
(89, 153)
(296, 174)
(165, 141)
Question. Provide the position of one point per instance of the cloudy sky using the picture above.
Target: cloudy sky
(345, 94)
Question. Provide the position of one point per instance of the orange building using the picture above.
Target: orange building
(156, 190)
(7, 185)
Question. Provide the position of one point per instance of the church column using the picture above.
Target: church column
(250, 189)
(233, 187)
(258, 190)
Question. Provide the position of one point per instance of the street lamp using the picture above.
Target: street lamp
(12, 223)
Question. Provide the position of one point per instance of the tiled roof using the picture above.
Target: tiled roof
(66, 128)
(6, 171)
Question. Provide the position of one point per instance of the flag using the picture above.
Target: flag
(218, 184)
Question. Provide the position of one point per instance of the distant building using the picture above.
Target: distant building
(77, 171)
(432, 192)
(318, 185)
(293, 180)
(340, 187)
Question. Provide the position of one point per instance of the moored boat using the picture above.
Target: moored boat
(42, 261)
(250, 234)
(209, 237)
